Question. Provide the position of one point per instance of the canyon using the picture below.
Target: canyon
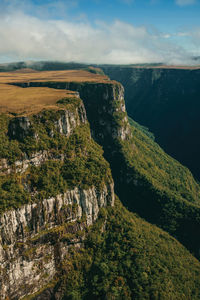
(63, 159)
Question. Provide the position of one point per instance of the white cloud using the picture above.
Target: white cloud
(24, 37)
(185, 2)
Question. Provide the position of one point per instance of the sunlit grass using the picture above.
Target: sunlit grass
(69, 75)
(17, 100)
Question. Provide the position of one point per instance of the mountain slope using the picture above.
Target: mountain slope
(167, 174)
(53, 182)
(59, 238)
(158, 187)
(129, 259)
(166, 100)
(171, 202)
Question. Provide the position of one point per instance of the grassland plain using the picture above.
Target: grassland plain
(63, 76)
(17, 101)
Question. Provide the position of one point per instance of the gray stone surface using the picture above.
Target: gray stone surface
(29, 256)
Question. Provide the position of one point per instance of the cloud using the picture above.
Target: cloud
(24, 37)
(185, 2)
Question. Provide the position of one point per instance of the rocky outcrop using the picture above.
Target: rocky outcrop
(35, 238)
(21, 127)
(20, 166)
(70, 120)
(105, 107)
(106, 112)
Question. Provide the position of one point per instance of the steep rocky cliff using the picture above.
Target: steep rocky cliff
(62, 237)
(167, 102)
(128, 259)
(166, 196)
(35, 238)
(54, 176)
(104, 103)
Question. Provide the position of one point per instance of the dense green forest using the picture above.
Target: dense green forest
(157, 187)
(129, 259)
(164, 172)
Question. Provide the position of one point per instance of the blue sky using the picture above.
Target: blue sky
(112, 31)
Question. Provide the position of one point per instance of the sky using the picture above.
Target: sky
(100, 31)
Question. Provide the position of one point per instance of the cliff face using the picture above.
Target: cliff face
(20, 127)
(64, 122)
(167, 102)
(44, 178)
(154, 196)
(55, 183)
(35, 238)
(104, 103)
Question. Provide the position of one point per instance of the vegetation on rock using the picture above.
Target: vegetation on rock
(122, 256)
(129, 259)
(158, 187)
(71, 161)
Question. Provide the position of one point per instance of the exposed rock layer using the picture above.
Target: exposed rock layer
(21, 127)
(34, 237)
(104, 103)
(105, 110)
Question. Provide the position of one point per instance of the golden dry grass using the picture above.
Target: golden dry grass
(64, 76)
(19, 100)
